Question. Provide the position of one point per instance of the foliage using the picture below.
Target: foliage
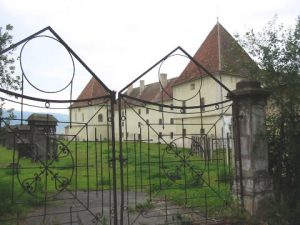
(277, 52)
(8, 79)
(7, 68)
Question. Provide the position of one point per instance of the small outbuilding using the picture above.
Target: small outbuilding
(36, 140)
(43, 129)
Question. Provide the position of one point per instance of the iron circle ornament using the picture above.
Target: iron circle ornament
(26, 75)
(180, 164)
(50, 173)
(47, 105)
(196, 92)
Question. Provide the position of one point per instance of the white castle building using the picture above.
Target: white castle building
(169, 107)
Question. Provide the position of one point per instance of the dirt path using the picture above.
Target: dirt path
(69, 208)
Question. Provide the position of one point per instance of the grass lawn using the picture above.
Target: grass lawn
(160, 170)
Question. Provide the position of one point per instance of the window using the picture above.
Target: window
(202, 104)
(160, 121)
(147, 111)
(139, 111)
(172, 121)
(160, 134)
(172, 108)
(139, 136)
(184, 132)
(100, 118)
(192, 86)
(171, 135)
(183, 110)
(147, 121)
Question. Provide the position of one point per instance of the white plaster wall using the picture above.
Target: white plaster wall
(85, 121)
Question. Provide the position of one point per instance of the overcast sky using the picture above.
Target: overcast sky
(119, 39)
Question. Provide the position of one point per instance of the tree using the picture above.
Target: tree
(8, 79)
(276, 50)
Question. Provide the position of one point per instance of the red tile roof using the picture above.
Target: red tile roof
(152, 92)
(219, 52)
(92, 90)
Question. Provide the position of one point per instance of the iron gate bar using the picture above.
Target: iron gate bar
(69, 191)
(117, 212)
(191, 58)
(85, 125)
(236, 116)
(23, 41)
(49, 28)
(139, 77)
(205, 70)
(34, 86)
(173, 106)
(121, 161)
(112, 103)
(34, 106)
(178, 156)
(51, 100)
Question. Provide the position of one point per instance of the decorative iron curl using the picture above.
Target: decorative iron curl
(185, 165)
(30, 184)
(48, 168)
(98, 218)
(60, 182)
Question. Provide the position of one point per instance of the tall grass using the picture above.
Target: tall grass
(174, 173)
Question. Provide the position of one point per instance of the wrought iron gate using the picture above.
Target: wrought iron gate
(149, 157)
(174, 151)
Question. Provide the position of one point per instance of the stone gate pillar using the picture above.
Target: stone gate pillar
(252, 180)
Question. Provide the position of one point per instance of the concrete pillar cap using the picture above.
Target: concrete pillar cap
(247, 88)
(248, 84)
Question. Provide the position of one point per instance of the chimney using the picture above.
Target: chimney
(142, 86)
(163, 79)
(129, 90)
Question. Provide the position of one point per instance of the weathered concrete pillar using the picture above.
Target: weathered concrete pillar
(252, 178)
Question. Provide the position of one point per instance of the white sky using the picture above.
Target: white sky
(119, 39)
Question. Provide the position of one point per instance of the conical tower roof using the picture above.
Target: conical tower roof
(219, 52)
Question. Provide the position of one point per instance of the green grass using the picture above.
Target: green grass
(163, 172)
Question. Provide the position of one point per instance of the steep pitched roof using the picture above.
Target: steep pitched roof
(219, 52)
(92, 90)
